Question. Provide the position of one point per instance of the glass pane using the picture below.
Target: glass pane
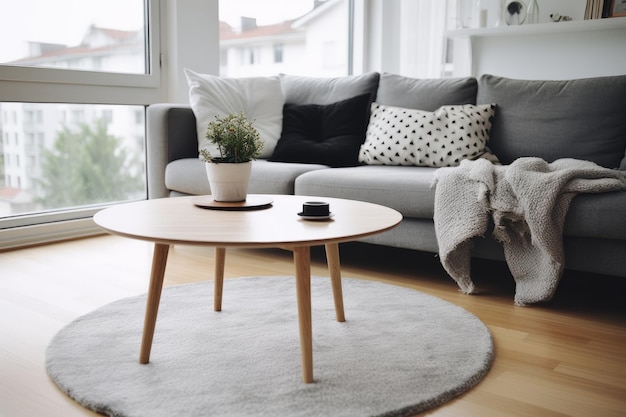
(63, 156)
(306, 37)
(94, 35)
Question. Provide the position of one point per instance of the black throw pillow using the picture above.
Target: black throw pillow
(324, 134)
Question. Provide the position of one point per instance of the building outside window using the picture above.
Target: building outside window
(292, 41)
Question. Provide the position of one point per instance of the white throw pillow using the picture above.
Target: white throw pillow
(260, 98)
(400, 136)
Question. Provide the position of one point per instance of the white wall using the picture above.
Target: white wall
(382, 36)
(190, 39)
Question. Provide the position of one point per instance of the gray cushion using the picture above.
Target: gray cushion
(425, 94)
(278, 177)
(299, 89)
(406, 189)
(188, 176)
(583, 118)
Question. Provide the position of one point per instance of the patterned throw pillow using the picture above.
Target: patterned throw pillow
(400, 136)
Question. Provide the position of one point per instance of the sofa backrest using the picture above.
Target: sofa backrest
(582, 118)
(424, 93)
(301, 90)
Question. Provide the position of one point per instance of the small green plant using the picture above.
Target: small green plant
(236, 139)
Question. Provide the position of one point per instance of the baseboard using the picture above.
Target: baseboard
(19, 237)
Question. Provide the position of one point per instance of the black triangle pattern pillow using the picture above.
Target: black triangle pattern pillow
(443, 138)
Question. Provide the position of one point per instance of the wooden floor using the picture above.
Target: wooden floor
(563, 358)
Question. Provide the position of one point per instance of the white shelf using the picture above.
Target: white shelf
(543, 28)
(557, 50)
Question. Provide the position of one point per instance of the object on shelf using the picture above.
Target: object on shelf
(555, 17)
(614, 8)
(466, 13)
(499, 22)
(532, 12)
(483, 16)
(514, 13)
(597, 9)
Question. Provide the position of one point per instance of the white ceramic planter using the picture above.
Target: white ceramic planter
(229, 182)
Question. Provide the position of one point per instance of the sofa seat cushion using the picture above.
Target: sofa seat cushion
(278, 177)
(406, 189)
(409, 190)
(188, 176)
(581, 118)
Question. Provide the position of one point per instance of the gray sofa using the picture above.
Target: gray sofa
(583, 119)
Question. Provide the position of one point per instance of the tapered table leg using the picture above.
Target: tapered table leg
(159, 261)
(302, 260)
(334, 268)
(218, 285)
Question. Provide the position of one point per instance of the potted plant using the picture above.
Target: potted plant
(238, 143)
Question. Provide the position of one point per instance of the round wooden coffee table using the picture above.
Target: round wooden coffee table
(178, 220)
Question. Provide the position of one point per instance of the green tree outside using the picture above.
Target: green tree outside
(88, 166)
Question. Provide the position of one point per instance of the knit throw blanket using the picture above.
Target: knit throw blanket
(527, 201)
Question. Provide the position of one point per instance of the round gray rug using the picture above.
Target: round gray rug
(398, 353)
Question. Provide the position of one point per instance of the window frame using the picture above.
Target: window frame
(41, 85)
(52, 85)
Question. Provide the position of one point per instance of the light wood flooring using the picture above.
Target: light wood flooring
(563, 358)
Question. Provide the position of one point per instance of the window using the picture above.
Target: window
(278, 53)
(73, 92)
(90, 160)
(252, 56)
(332, 55)
(107, 116)
(95, 36)
(139, 117)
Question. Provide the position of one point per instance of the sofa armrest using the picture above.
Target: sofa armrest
(171, 135)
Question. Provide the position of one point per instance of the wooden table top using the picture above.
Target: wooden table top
(178, 220)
